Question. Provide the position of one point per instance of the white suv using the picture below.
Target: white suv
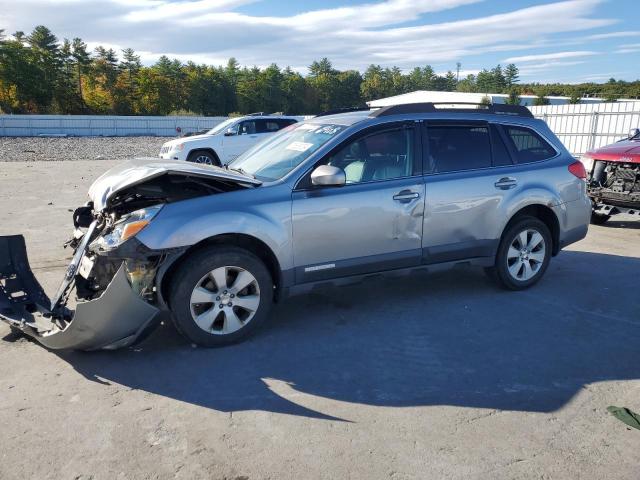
(226, 140)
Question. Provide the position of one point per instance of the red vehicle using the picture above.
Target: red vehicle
(613, 176)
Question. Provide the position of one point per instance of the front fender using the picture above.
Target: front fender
(187, 223)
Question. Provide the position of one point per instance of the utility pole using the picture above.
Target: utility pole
(458, 65)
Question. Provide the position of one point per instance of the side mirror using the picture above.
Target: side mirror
(633, 132)
(230, 132)
(327, 175)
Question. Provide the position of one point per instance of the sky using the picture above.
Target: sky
(569, 41)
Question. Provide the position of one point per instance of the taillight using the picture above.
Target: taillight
(577, 169)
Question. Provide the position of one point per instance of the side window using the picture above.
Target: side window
(378, 156)
(454, 147)
(285, 122)
(528, 145)
(500, 153)
(267, 126)
(248, 127)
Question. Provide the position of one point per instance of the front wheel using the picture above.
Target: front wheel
(523, 255)
(220, 295)
(204, 157)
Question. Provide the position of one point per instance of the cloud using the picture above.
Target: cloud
(534, 69)
(548, 56)
(604, 36)
(161, 10)
(628, 48)
(390, 32)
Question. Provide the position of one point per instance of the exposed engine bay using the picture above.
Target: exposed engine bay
(614, 187)
(115, 277)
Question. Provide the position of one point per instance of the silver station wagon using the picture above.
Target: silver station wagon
(332, 199)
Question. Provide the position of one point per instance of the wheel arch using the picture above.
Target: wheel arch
(207, 150)
(242, 240)
(542, 213)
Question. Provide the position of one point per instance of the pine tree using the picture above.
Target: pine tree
(514, 97)
(511, 73)
(46, 54)
(82, 60)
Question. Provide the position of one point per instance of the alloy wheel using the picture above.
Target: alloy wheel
(526, 255)
(225, 300)
(203, 159)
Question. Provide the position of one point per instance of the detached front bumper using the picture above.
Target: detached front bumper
(113, 320)
(604, 208)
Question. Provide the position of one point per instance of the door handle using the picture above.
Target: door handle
(405, 196)
(506, 183)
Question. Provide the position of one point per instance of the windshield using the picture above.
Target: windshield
(286, 150)
(222, 126)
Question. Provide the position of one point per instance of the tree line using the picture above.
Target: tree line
(41, 74)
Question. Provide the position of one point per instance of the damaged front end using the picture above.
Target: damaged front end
(114, 295)
(115, 277)
(614, 187)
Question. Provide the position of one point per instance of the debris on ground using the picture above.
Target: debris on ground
(625, 415)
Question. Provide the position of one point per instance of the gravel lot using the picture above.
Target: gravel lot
(431, 376)
(16, 149)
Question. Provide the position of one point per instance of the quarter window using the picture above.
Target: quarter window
(379, 156)
(454, 148)
(528, 145)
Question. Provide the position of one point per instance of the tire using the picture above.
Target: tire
(520, 266)
(204, 157)
(599, 218)
(204, 311)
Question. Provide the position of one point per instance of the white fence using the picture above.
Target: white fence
(583, 127)
(96, 125)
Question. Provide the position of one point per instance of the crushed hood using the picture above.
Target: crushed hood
(139, 170)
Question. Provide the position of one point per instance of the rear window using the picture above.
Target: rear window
(527, 145)
(454, 148)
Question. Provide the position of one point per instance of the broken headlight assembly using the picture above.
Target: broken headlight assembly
(124, 228)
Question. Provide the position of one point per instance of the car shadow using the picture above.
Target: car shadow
(450, 338)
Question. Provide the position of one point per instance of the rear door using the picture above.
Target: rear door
(468, 177)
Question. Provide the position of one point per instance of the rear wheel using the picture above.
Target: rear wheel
(523, 255)
(204, 157)
(220, 295)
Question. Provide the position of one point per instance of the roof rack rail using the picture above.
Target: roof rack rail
(255, 114)
(432, 107)
(343, 110)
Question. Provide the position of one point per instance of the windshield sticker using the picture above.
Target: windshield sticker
(299, 146)
(328, 130)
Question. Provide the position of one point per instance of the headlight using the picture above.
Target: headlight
(178, 147)
(587, 162)
(125, 228)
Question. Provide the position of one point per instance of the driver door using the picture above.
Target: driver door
(245, 137)
(374, 221)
